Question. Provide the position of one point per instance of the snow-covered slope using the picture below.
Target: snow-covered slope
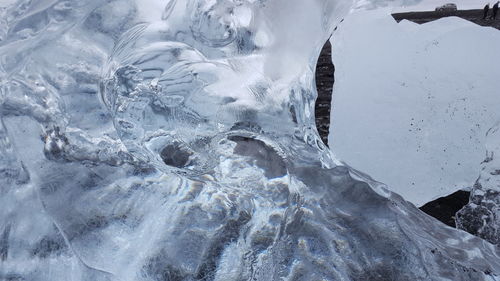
(412, 103)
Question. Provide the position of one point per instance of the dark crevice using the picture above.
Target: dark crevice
(48, 246)
(261, 155)
(175, 155)
(227, 234)
(4, 243)
(324, 85)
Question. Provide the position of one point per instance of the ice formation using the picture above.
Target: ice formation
(175, 140)
(413, 107)
(482, 215)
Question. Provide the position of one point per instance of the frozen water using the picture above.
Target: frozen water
(175, 140)
(413, 108)
(482, 215)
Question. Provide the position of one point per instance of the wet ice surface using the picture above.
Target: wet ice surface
(176, 141)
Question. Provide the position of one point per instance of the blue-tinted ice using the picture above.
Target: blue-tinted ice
(175, 140)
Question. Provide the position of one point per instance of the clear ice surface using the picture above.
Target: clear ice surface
(175, 140)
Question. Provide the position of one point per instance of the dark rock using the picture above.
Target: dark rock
(475, 16)
(445, 208)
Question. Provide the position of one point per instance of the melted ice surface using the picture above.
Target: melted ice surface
(156, 140)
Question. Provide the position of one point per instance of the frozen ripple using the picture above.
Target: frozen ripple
(197, 157)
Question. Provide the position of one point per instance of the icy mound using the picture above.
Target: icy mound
(412, 103)
(175, 141)
(482, 215)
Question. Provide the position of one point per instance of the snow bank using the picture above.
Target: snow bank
(412, 103)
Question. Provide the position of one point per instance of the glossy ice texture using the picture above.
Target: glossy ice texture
(175, 140)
